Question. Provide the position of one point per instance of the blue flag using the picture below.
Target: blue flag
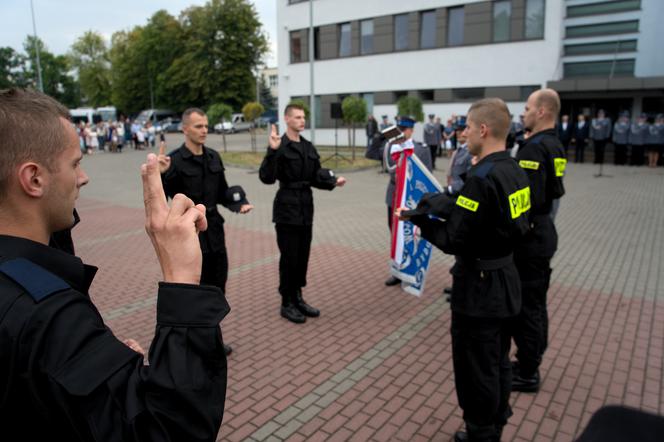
(411, 253)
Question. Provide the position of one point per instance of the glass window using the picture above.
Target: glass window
(603, 8)
(455, 17)
(369, 99)
(366, 39)
(273, 80)
(608, 68)
(401, 32)
(468, 93)
(316, 43)
(607, 47)
(622, 27)
(296, 47)
(426, 94)
(535, 19)
(502, 15)
(344, 40)
(428, 30)
(525, 91)
(317, 111)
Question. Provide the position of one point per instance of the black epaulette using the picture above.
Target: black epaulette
(38, 282)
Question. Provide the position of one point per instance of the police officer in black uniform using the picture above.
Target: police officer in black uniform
(63, 374)
(543, 159)
(482, 227)
(198, 172)
(295, 163)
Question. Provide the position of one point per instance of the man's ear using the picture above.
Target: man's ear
(32, 179)
(484, 130)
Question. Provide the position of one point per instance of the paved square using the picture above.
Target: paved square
(377, 364)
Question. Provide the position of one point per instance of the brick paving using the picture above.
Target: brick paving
(377, 364)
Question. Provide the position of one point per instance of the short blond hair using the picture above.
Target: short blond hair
(31, 129)
(492, 112)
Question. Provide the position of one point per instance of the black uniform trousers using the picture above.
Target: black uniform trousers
(530, 328)
(620, 154)
(434, 152)
(482, 373)
(599, 146)
(579, 151)
(638, 152)
(294, 243)
(215, 269)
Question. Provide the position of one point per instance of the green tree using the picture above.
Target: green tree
(223, 44)
(411, 106)
(89, 55)
(220, 113)
(12, 69)
(140, 59)
(355, 111)
(251, 112)
(58, 83)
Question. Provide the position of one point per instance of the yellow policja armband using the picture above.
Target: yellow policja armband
(525, 164)
(560, 164)
(519, 202)
(467, 203)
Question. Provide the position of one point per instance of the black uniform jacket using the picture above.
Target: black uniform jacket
(65, 376)
(202, 179)
(483, 226)
(297, 167)
(543, 160)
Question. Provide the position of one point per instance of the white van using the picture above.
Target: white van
(85, 114)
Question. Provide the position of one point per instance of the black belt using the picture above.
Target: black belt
(488, 264)
(294, 185)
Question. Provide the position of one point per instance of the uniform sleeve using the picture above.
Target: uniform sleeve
(104, 388)
(268, 170)
(532, 161)
(452, 236)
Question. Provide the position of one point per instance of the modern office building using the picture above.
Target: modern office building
(271, 78)
(449, 53)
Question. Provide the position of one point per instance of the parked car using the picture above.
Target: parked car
(169, 125)
(237, 124)
(268, 117)
(225, 127)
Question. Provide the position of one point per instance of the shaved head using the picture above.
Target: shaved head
(549, 100)
(493, 113)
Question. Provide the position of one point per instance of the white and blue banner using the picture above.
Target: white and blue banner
(410, 252)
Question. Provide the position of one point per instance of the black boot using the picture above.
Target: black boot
(228, 350)
(460, 436)
(289, 309)
(291, 313)
(392, 280)
(526, 383)
(305, 308)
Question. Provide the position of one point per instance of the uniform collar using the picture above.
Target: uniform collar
(503, 154)
(186, 153)
(62, 264)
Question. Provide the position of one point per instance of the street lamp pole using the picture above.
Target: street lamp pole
(40, 83)
(312, 99)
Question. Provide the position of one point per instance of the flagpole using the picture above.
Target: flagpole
(40, 83)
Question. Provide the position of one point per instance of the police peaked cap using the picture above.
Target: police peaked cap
(405, 122)
(236, 198)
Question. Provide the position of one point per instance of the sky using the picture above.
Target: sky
(61, 22)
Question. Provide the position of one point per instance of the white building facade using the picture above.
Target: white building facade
(450, 53)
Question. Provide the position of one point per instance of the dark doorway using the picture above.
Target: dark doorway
(589, 106)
